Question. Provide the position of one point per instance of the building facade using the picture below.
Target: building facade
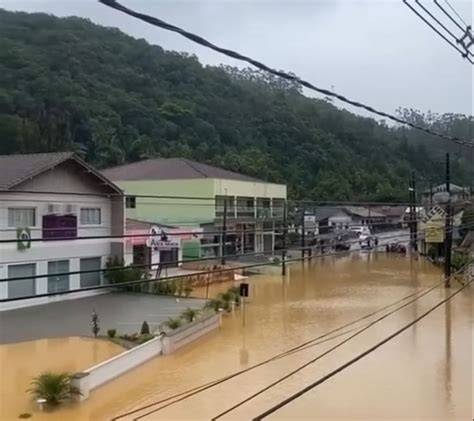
(57, 199)
(185, 193)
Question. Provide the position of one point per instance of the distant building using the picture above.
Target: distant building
(437, 194)
(345, 217)
(54, 196)
(191, 194)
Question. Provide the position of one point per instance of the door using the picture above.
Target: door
(90, 279)
(168, 258)
(24, 287)
(58, 283)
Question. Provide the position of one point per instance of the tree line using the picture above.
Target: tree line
(68, 84)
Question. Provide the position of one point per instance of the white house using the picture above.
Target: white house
(55, 199)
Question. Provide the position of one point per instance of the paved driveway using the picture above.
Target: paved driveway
(122, 311)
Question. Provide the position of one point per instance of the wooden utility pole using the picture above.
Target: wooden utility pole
(448, 238)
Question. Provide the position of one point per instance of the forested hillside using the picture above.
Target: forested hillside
(68, 84)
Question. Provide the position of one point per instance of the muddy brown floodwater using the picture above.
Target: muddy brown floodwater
(425, 373)
(20, 362)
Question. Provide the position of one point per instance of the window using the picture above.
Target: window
(21, 217)
(90, 279)
(24, 287)
(58, 283)
(130, 202)
(91, 216)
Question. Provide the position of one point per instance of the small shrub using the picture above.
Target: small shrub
(95, 324)
(145, 330)
(189, 314)
(54, 388)
(25, 415)
(216, 304)
(111, 333)
(144, 338)
(173, 323)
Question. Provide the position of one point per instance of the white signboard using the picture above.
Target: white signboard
(159, 241)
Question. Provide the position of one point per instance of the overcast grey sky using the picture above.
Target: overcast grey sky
(375, 51)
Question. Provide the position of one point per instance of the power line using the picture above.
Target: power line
(288, 76)
(448, 15)
(452, 44)
(176, 262)
(214, 199)
(317, 358)
(311, 342)
(455, 12)
(145, 281)
(357, 358)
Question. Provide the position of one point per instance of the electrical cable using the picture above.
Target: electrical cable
(449, 16)
(177, 262)
(308, 343)
(317, 358)
(357, 358)
(151, 196)
(145, 281)
(456, 13)
(437, 31)
(288, 76)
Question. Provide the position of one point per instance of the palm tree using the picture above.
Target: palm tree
(52, 387)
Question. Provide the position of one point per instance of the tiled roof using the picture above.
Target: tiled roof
(171, 169)
(15, 169)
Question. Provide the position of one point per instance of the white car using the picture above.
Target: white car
(362, 231)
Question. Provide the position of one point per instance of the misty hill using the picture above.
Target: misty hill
(68, 84)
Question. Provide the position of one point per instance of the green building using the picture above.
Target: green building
(183, 193)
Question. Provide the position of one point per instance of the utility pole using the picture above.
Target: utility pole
(412, 211)
(415, 215)
(224, 231)
(285, 231)
(448, 239)
(303, 239)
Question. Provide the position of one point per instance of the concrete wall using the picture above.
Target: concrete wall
(100, 374)
(190, 332)
(92, 378)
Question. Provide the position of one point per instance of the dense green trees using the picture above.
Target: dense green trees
(67, 84)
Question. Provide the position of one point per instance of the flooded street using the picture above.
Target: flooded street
(22, 361)
(425, 373)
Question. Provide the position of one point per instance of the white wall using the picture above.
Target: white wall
(42, 252)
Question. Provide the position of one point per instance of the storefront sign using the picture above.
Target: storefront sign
(160, 241)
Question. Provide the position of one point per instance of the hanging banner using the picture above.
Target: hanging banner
(23, 234)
